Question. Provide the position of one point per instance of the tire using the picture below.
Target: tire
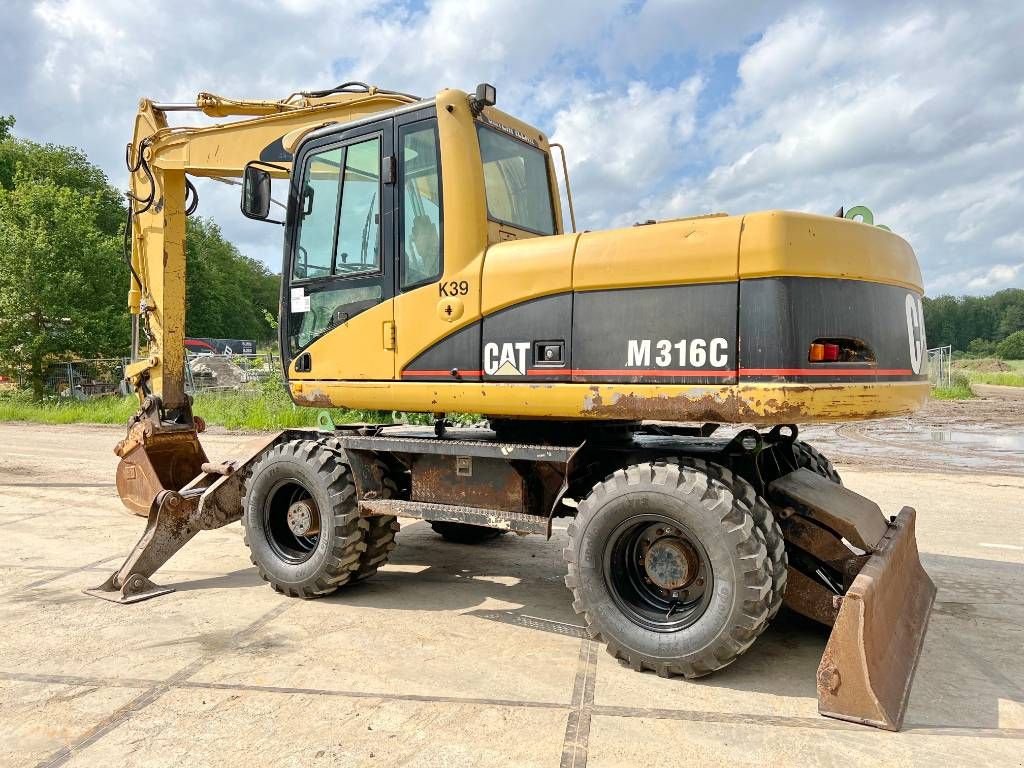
(766, 523)
(809, 457)
(380, 541)
(464, 533)
(730, 602)
(311, 565)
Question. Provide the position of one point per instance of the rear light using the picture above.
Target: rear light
(838, 350)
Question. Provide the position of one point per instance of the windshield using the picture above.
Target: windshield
(516, 182)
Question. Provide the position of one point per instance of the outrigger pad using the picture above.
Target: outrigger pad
(868, 666)
(136, 589)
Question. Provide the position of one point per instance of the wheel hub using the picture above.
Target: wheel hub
(303, 518)
(671, 563)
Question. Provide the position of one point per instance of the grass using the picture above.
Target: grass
(1003, 379)
(267, 408)
(959, 389)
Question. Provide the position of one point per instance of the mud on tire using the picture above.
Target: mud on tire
(688, 496)
(303, 566)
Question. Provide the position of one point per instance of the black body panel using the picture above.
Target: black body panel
(656, 321)
(781, 316)
(648, 335)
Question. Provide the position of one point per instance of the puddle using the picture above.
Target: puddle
(989, 440)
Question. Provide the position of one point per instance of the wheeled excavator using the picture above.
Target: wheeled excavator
(645, 381)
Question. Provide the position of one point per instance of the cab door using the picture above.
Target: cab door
(339, 273)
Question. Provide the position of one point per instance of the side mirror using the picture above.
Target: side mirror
(256, 193)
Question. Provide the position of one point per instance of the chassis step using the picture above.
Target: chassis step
(425, 510)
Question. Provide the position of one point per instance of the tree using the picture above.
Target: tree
(62, 284)
(981, 348)
(228, 295)
(1012, 347)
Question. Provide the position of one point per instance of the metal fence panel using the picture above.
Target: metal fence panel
(940, 366)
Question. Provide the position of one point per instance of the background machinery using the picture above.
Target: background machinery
(426, 268)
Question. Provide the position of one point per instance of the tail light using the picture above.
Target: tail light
(839, 350)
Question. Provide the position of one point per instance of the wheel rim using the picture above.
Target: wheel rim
(658, 573)
(291, 522)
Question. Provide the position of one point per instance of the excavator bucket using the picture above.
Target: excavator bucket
(155, 462)
(868, 665)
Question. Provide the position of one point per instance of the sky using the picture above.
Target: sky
(667, 108)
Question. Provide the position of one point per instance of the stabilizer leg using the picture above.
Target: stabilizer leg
(173, 520)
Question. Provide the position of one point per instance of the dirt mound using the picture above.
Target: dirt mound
(215, 371)
(983, 365)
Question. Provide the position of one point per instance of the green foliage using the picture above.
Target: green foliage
(979, 320)
(230, 296)
(1012, 347)
(1002, 379)
(981, 348)
(62, 284)
(959, 389)
(101, 410)
(23, 161)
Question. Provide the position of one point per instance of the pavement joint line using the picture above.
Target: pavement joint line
(123, 713)
(576, 742)
(1012, 547)
(17, 520)
(785, 721)
(68, 572)
(57, 485)
(601, 710)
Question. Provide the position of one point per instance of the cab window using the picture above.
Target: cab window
(516, 182)
(319, 209)
(340, 240)
(420, 203)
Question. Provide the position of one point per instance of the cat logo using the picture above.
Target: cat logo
(508, 359)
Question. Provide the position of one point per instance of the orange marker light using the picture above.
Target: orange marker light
(817, 354)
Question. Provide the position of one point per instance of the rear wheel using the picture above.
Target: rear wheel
(767, 526)
(809, 457)
(667, 565)
(464, 533)
(300, 520)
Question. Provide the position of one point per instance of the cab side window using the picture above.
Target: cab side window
(340, 240)
(319, 208)
(420, 203)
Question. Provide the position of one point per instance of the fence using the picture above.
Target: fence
(940, 366)
(84, 379)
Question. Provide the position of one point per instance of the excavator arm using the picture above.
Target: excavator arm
(163, 473)
(162, 450)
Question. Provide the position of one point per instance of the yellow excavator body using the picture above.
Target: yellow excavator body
(427, 268)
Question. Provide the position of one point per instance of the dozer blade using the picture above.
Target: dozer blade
(869, 662)
(868, 666)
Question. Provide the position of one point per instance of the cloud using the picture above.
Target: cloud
(666, 107)
(998, 275)
(618, 140)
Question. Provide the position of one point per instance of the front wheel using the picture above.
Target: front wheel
(667, 565)
(301, 524)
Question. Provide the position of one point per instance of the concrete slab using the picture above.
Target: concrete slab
(227, 729)
(453, 654)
